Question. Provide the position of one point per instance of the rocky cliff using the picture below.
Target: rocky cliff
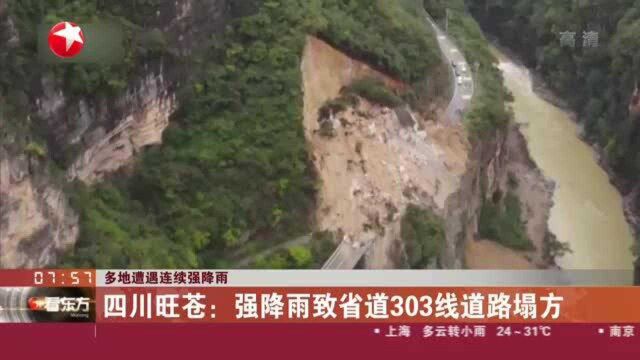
(496, 167)
(98, 135)
(36, 222)
(91, 135)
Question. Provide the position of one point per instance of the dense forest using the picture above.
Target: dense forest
(606, 74)
(232, 176)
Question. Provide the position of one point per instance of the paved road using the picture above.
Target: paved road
(247, 261)
(462, 93)
(347, 255)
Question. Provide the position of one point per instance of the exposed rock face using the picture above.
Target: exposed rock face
(36, 223)
(634, 103)
(97, 136)
(7, 26)
(632, 206)
(534, 190)
(94, 136)
(493, 167)
(151, 106)
(632, 193)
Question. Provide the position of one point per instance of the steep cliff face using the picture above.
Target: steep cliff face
(36, 222)
(462, 210)
(495, 167)
(105, 151)
(632, 193)
(94, 136)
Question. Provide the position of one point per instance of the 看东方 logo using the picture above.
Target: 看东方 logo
(66, 39)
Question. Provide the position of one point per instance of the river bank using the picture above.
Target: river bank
(629, 192)
(588, 210)
(513, 172)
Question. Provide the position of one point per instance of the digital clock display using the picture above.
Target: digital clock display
(80, 278)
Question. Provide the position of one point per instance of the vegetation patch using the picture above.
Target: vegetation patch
(503, 223)
(369, 88)
(553, 248)
(390, 35)
(375, 91)
(310, 256)
(423, 235)
(335, 106)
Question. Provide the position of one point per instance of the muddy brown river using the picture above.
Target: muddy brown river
(587, 211)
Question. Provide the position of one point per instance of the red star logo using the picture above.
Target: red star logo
(35, 303)
(66, 39)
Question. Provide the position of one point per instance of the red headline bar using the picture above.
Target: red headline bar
(343, 305)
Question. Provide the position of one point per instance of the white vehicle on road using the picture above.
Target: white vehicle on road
(459, 80)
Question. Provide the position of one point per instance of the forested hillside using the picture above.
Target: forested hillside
(233, 164)
(232, 176)
(598, 82)
(20, 68)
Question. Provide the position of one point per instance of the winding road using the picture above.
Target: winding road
(462, 92)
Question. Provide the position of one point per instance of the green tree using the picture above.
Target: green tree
(423, 236)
